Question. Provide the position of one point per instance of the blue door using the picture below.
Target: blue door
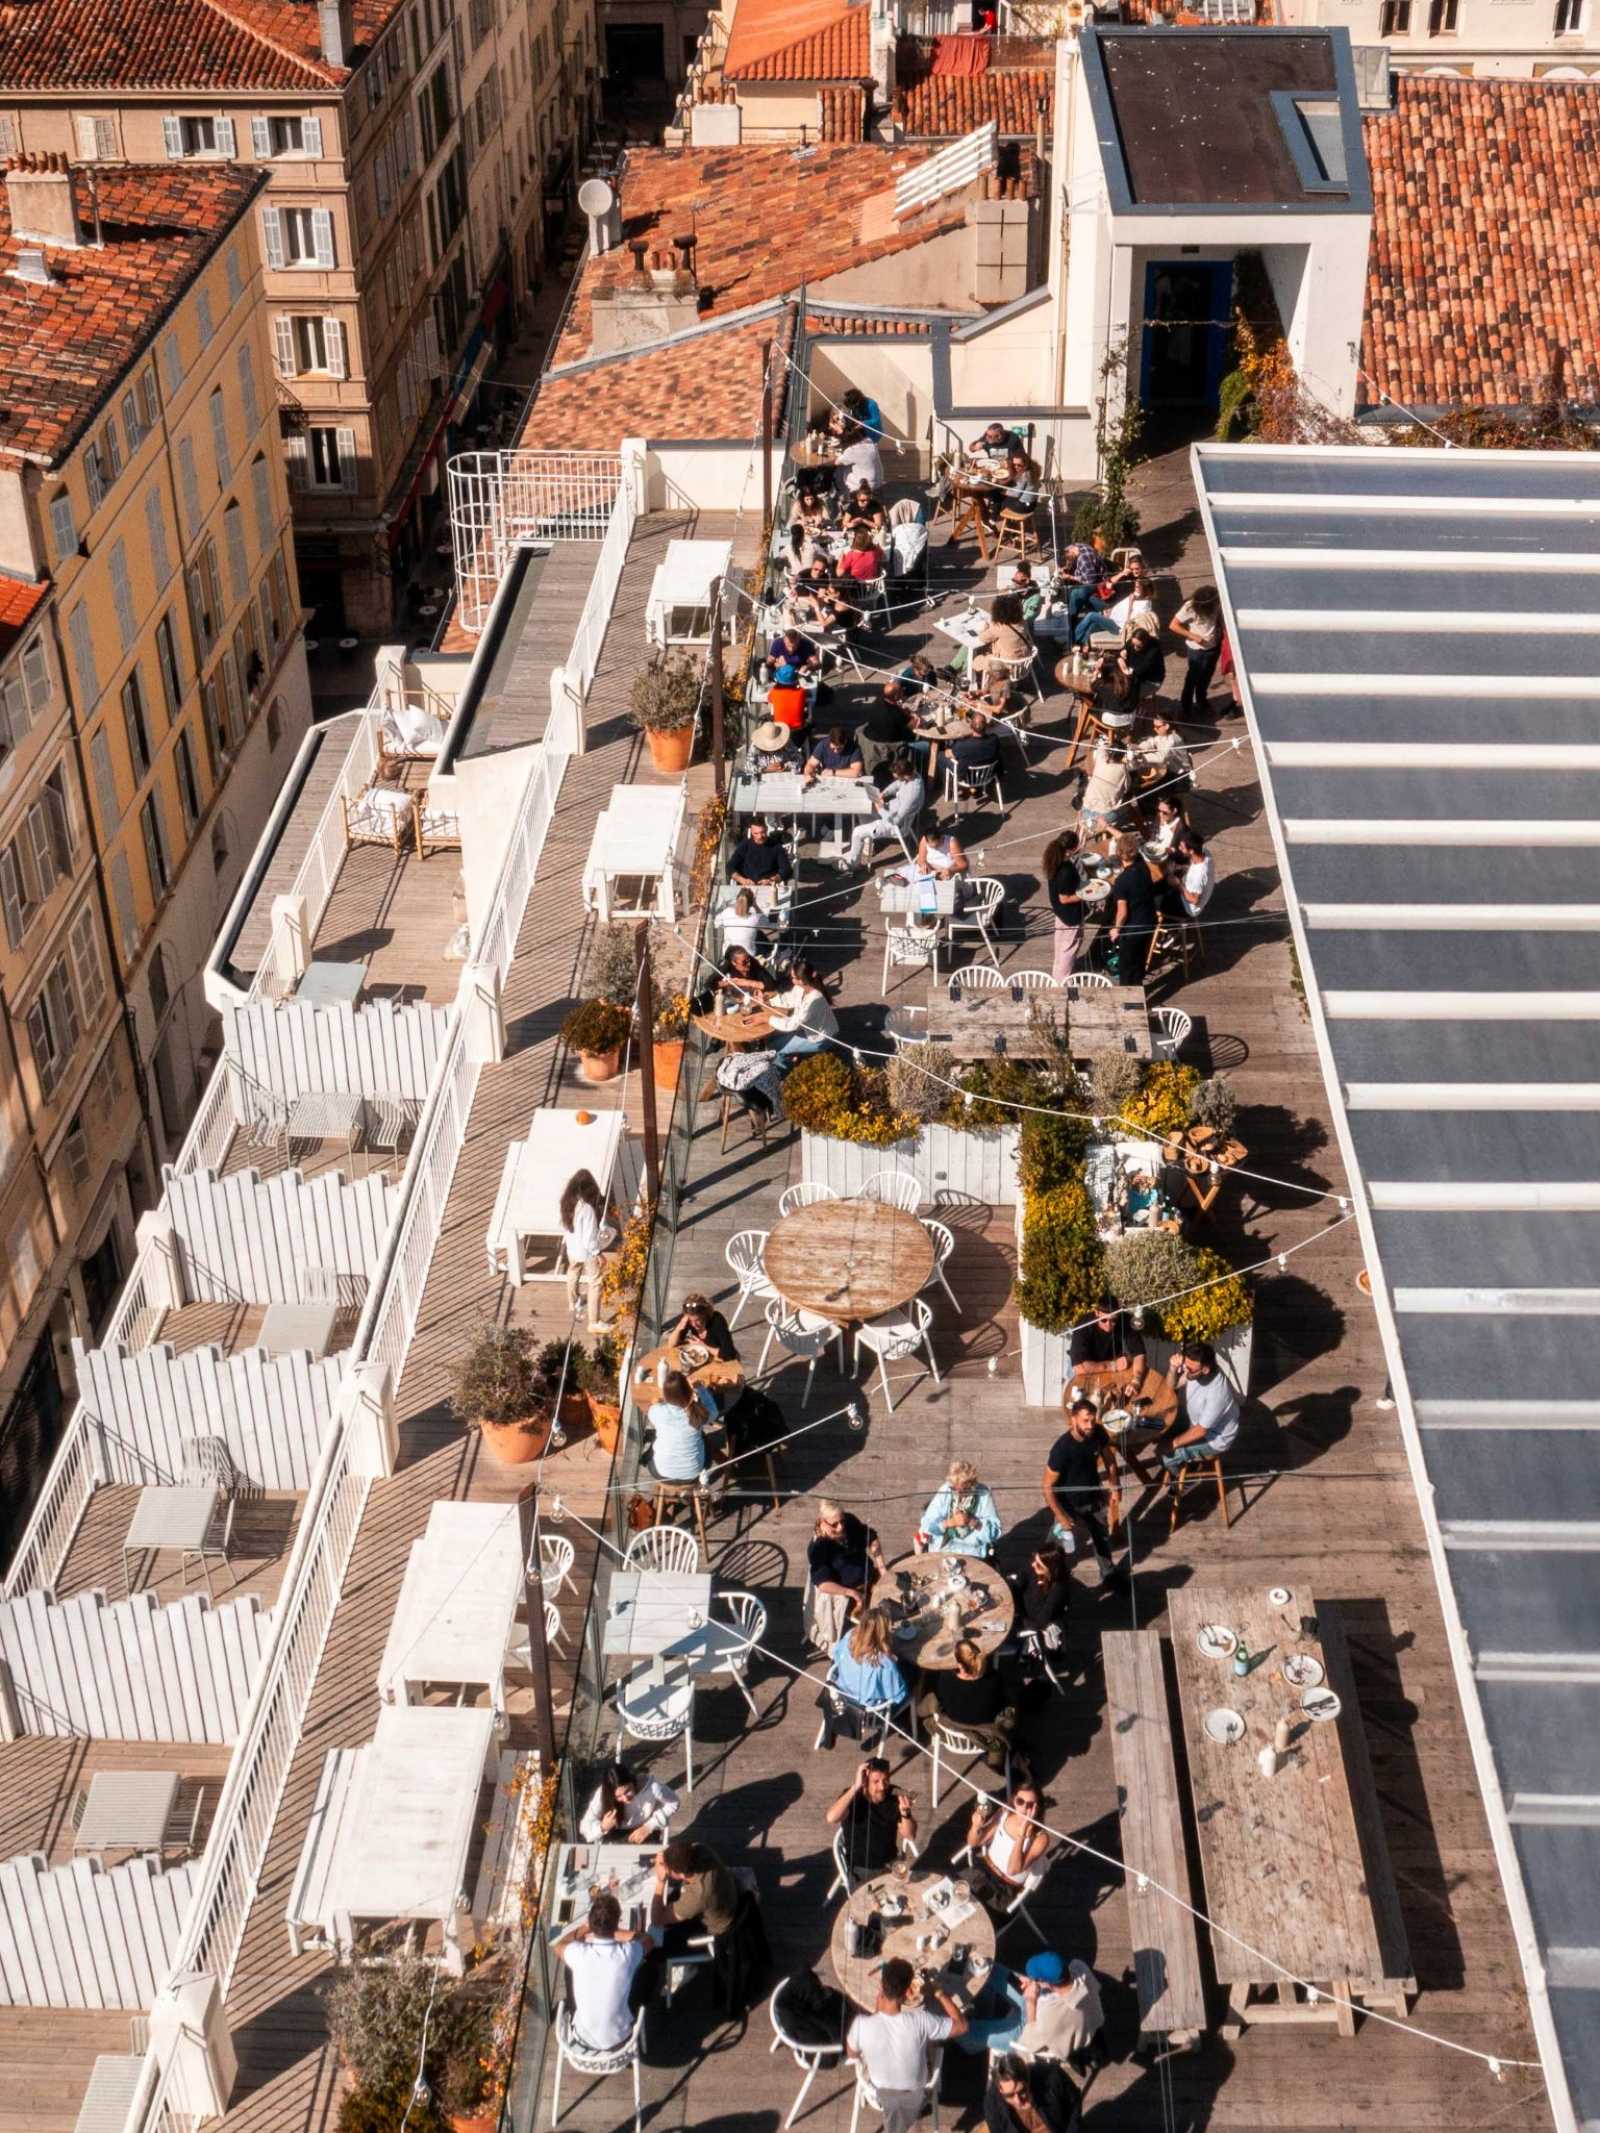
(1188, 333)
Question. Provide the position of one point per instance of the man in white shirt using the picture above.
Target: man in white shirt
(897, 810)
(892, 2044)
(859, 462)
(1208, 1408)
(1199, 877)
(602, 1962)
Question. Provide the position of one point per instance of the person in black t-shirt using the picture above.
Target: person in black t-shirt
(973, 1696)
(1108, 1343)
(1078, 1470)
(1132, 910)
(875, 1819)
(757, 859)
(844, 1557)
(701, 1321)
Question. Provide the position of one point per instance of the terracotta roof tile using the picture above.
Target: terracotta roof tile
(798, 40)
(945, 106)
(1486, 227)
(20, 601)
(844, 113)
(64, 345)
(706, 387)
(174, 44)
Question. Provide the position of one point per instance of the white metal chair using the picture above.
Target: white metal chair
(906, 1038)
(519, 1645)
(949, 1743)
(971, 782)
(1094, 980)
(1029, 1885)
(1034, 1646)
(845, 1875)
(981, 914)
(584, 2059)
(556, 1555)
(657, 1710)
(207, 1460)
(743, 1253)
(810, 2058)
(1169, 1031)
(910, 946)
(1030, 980)
(872, 1719)
(894, 1338)
(749, 1618)
(806, 1195)
(1018, 671)
(892, 1188)
(804, 1337)
(944, 1244)
(867, 2094)
(978, 977)
(673, 1549)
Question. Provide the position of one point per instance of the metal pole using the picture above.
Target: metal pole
(538, 1650)
(766, 435)
(719, 763)
(647, 1061)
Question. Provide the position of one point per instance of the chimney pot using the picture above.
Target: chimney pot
(41, 203)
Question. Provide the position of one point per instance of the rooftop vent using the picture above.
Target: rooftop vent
(31, 266)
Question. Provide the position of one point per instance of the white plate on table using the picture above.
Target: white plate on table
(1301, 1671)
(1215, 1642)
(1280, 1596)
(1320, 1703)
(1224, 1727)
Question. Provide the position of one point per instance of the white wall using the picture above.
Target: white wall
(145, 1404)
(715, 477)
(486, 792)
(82, 1936)
(253, 1240)
(289, 1047)
(896, 372)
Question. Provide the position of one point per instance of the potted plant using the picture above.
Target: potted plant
(498, 1391)
(1213, 1108)
(611, 968)
(666, 697)
(386, 2111)
(668, 1034)
(601, 1367)
(597, 1030)
(375, 2014)
(560, 1372)
(467, 2082)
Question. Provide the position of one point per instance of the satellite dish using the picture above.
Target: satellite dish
(595, 197)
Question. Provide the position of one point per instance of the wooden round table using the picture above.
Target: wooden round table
(848, 1259)
(754, 1026)
(715, 1375)
(858, 1974)
(925, 1638)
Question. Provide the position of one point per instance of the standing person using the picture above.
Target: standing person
(602, 1958)
(876, 1820)
(1064, 886)
(1198, 627)
(586, 1238)
(1079, 1471)
(843, 1559)
(1134, 908)
(891, 2044)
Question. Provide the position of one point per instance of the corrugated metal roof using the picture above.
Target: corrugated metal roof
(1418, 642)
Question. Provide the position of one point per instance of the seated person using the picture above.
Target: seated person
(1003, 637)
(979, 750)
(740, 927)
(792, 648)
(694, 1894)
(843, 1558)
(1169, 831)
(1048, 2010)
(862, 1665)
(862, 508)
(1208, 1408)
(758, 859)
(834, 756)
(814, 602)
(896, 812)
(679, 1415)
(886, 728)
(876, 1821)
(939, 857)
(743, 974)
(962, 1518)
(786, 699)
(1008, 1843)
(811, 509)
(861, 409)
(972, 1695)
(805, 1019)
(860, 463)
(1161, 757)
(625, 1809)
(1141, 667)
(701, 1321)
(603, 1958)
(1106, 787)
(862, 561)
(916, 675)
(997, 442)
(1198, 879)
(1029, 2096)
(778, 747)
(1108, 1345)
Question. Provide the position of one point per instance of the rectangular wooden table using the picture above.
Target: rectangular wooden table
(458, 1601)
(528, 1202)
(1295, 1865)
(969, 1024)
(651, 1611)
(1108, 1018)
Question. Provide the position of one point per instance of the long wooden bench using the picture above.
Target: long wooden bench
(1166, 1944)
(307, 1914)
(1396, 1988)
(497, 1892)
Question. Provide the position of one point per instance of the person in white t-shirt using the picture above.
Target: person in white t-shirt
(892, 2044)
(586, 1237)
(602, 1959)
(1199, 877)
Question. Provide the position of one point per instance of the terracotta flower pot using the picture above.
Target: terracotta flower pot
(474, 2122)
(669, 1062)
(575, 1410)
(516, 1443)
(600, 1066)
(607, 1420)
(670, 751)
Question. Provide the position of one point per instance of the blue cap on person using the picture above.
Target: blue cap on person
(787, 676)
(1045, 1968)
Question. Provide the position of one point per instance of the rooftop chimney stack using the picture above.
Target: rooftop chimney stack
(635, 310)
(336, 29)
(40, 201)
(881, 52)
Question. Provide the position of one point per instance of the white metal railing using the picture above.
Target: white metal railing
(946, 172)
(319, 870)
(503, 500)
(435, 1155)
(205, 1145)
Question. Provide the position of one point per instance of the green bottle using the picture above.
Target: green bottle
(1241, 1658)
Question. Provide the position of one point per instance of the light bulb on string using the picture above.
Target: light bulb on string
(993, 1366)
(1283, 1261)
(556, 1511)
(855, 1417)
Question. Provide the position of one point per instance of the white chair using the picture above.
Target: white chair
(672, 1549)
(978, 977)
(981, 913)
(519, 1645)
(810, 2058)
(971, 782)
(872, 1719)
(909, 1039)
(892, 1188)
(657, 1710)
(846, 1875)
(949, 1743)
(1169, 1031)
(1029, 1884)
(1030, 980)
(909, 946)
(749, 1618)
(1094, 980)
(1033, 1644)
(894, 1338)
(867, 2094)
(553, 1631)
(743, 1253)
(1018, 671)
(583, 2059)
(804, 1337)
(556, 1554)
(944, 1244)
(807, 1195)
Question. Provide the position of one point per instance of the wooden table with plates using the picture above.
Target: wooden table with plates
(583, 1870)
(981, 1022)
(754, 1026)
(1295, 1864)
(848, 1259)
(697, 1362)
(960, 1922)
(1108, 1018)
(928, 1585)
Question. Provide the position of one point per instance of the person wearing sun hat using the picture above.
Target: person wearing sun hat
(777, 747)
(786, 699)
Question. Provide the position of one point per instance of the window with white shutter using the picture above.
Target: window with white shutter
(334, 343)
(122, 595)
(84, 670)
(172, 135)
(63, 526)
(247, 387)
(238, 563)
(22, 1263)
(261, 494)
(407, 391)
(224, 137)
(13, 898)
(235, 276)
(272, 236)
(105, 781)
(171, 363)
(405, 151)
(155, 527)
(189, 485)
(122, 897)
(229, 674)
(149, 405)
(133, 426)
(204, 625)
(260, 138)
(383, 181)
(36, 675)
(311, 135)
(8, 134)
(347, 458)
(88, 971)
(322, 235)
(203, 318)
(283, 345)
(94, 476)
(219, 439)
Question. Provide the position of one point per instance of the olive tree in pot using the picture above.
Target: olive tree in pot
(666, 696)
(498, 1391)
(375, 2014)
(597, 1030)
